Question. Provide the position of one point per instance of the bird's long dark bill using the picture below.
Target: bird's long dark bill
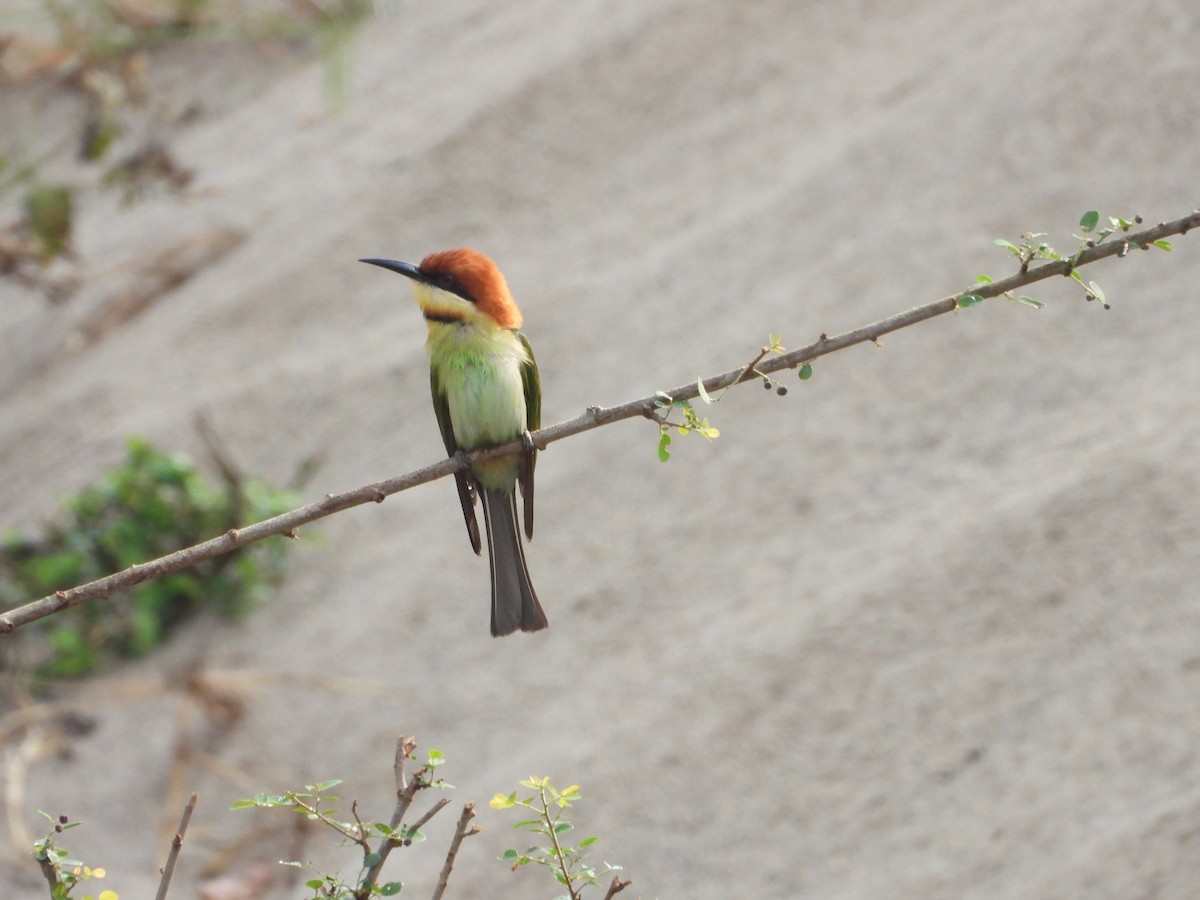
(394, 265)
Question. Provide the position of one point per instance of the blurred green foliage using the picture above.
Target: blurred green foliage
(112, 48)
(48, 212)
(153, 504)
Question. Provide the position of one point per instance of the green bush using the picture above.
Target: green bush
(154, 504)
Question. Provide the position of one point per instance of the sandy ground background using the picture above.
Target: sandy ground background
(928, 626)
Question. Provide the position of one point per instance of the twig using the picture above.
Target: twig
(405, 747)
(405, 792)
(558, 852)
(433, 811)
(462, 831)
(287, 523)
(617, 886)
(231, 474)
(48, 871)
(176, 846)
(359, 829)
(354, 835)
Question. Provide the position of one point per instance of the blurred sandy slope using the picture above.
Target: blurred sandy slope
(926, 627)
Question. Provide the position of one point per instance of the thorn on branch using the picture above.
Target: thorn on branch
(292, 533)
(379, 496)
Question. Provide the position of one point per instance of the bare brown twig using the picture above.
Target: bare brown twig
(433, 811)
(464, 830)
(287, 523)
(176, 846)
(405, 789)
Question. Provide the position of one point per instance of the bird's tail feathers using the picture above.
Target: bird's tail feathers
(514, 603)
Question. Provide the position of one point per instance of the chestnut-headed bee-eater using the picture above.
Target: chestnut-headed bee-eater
(486, 391)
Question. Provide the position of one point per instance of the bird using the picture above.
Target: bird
(486, 391)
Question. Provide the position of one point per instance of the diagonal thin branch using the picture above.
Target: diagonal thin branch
(176, 846)
(464, 830)
(595, 416)
(433, 811)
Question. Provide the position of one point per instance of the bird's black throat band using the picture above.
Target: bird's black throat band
(444, 318)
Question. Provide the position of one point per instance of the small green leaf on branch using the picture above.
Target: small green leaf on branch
(1094, 293)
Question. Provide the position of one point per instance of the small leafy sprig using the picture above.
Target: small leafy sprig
(692, 421)
(567, 863)
(774, 345)
(1033, 249)
(62, 873)
(317, 804)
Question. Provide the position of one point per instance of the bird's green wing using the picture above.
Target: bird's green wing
(464, 480)
(532, 384)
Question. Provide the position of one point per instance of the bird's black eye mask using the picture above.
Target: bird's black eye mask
(449, 283)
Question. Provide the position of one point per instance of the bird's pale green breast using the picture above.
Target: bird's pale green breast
(477, 369)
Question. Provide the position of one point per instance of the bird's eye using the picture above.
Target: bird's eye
(447, 281)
